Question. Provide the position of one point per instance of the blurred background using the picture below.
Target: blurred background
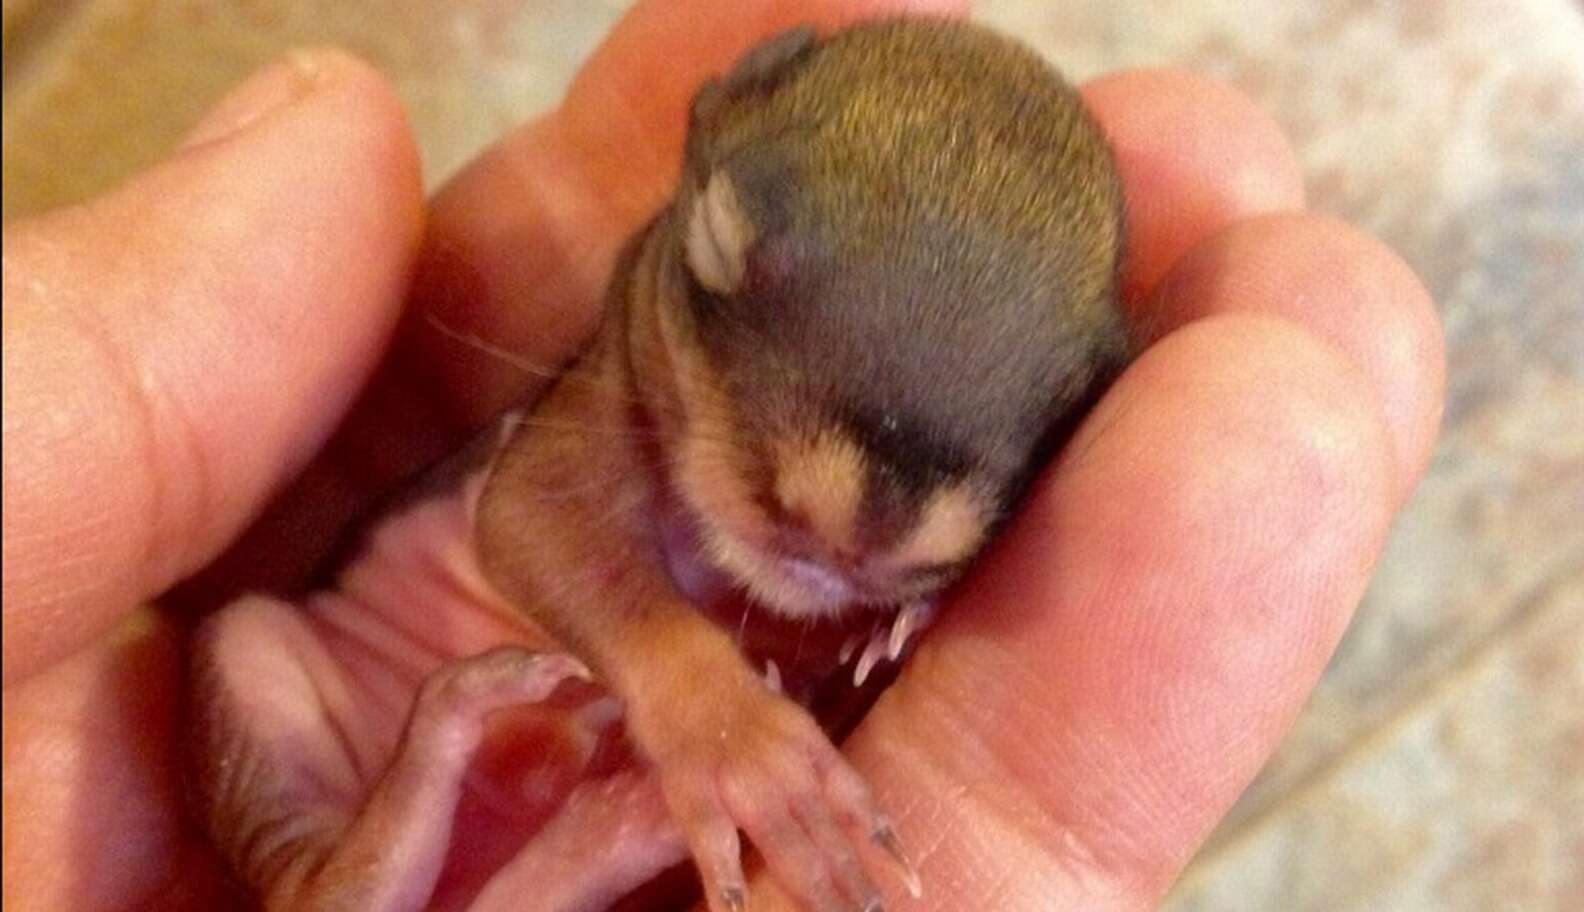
(1440, 765)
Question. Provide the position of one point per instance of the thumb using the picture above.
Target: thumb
(173, 351)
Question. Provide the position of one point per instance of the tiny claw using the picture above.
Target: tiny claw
(899, 638)
(886, 838)
(772, 675)
(902, 628)
(848, 648)
(735, 898)
(870, 658)
(578, 670)
(909, 621)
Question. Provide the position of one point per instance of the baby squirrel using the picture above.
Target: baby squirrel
(885, 292)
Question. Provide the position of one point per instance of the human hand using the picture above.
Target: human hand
(173, 352)
(1103, 687)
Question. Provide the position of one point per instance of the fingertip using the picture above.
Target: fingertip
(379, 129)
(1195, 154)
(1346, 288)
(1258, 380)
(323, 84)
(350, 149)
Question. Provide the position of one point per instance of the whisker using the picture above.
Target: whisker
(570, 375)
(569, 493)
(574, 427)
(513, 359)
(742, 623)
(477, 342)
(627, 433)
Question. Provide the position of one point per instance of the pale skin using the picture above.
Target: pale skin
(1028, 753)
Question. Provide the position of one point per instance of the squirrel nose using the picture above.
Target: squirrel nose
(797, 537)
(851, 542)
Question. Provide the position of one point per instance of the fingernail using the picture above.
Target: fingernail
(274, 87)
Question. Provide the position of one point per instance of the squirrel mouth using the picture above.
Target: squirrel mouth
(819, 580)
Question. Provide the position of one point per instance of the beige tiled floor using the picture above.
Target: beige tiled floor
(1441, 763)
(96, 88)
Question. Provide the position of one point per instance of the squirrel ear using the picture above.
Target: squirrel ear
(758, 70)
(718, 236)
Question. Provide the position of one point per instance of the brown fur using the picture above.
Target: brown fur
(883, 296)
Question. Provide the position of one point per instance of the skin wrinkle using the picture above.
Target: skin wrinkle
(241, 762)
(123, 383)
(1079, 850)
(163, 562)
(1089, 848)
(1088, 851)
(175, 430)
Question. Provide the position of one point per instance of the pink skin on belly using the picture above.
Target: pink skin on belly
(413, 602)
